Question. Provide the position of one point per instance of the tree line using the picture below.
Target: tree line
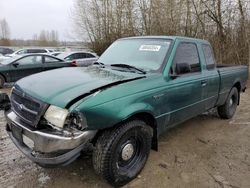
(4, 32)
(225, 23)
(44, 38)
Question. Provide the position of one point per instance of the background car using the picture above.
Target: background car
(82, 59)
(30, 51)
(55, 53)
(5, 51)
(16, 68)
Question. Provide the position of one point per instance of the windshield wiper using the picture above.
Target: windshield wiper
(129, 67)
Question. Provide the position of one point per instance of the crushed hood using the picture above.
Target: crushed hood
(62, 86)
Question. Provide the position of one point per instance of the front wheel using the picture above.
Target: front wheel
(120, 154)
(227, 110)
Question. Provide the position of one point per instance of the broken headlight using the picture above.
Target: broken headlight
(56, 116)
(77, 120)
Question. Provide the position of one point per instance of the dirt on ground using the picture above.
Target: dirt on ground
(205, 151)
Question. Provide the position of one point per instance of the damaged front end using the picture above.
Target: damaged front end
(44, 143)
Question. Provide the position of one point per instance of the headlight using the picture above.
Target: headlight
(56, 116)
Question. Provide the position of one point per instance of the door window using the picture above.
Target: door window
(89, 56)
(209, 57)
(30, 60)
(51, 60)
(71, 57)
(186, 59)
(80, 55)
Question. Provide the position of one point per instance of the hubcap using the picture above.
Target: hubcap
(127, 152)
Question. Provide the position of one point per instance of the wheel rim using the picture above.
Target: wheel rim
(127, 152)
(130, 153)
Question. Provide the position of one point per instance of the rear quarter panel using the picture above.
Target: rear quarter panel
(229, 77)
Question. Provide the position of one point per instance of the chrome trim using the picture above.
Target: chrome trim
(47, 142)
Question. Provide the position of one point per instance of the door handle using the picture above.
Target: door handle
(203, 83)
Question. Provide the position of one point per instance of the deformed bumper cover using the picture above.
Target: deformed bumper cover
(46, 142)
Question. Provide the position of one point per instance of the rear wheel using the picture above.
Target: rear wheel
(227, 110)
(120, 154)
(2, 81)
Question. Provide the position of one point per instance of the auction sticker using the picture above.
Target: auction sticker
(152, 48)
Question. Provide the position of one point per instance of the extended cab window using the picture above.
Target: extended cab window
(186, 59)
(209, 57)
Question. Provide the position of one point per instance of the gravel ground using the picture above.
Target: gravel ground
(202, 152)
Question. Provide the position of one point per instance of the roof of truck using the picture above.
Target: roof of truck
(169, 37)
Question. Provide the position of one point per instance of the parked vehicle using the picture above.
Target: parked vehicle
(18, 67)
(3, 58)
(81, 59)
(55, 53)
(30, 51)
(5, 51)
(138, 89)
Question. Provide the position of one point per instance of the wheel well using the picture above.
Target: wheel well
(3, 77)
(238, 86)
(147, 118)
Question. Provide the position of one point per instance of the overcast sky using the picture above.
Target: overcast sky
(27, 17)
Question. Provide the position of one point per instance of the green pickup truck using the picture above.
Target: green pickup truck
(139, 88)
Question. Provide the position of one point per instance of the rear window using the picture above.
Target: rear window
(209, 57)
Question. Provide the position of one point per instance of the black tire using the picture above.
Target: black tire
(228, 110)
(2, 81)
(113, 157)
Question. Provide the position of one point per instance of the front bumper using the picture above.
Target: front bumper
(48, 148)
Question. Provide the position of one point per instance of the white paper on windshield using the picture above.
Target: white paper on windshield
(152, 48)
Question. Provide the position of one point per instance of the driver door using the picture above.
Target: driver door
(185, 90)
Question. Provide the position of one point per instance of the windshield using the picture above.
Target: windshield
(147, 54)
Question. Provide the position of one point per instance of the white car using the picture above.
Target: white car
(30, 51)
(2, 57)
(81, 59)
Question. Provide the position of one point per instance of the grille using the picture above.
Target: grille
(26, 107)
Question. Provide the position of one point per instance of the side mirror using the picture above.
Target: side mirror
(182, 68)
(15, 64)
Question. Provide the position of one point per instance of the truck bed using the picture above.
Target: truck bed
(231, 74)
